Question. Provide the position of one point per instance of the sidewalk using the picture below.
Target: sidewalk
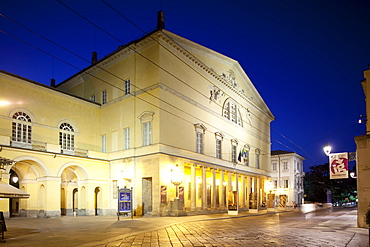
(245, 229)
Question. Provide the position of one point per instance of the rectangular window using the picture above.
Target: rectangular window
(92, 98)
(103, 143)
(275, 184)
(285, 165)
(147, 133)
(218, 148)
(257, 161)
(115, 189)
(126, 138)
(274, 166)
(104, 97)
(233, 153)
(286, 183)
(199, 142)
(127, 87)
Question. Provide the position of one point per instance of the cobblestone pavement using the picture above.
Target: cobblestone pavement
(283, 229)
(337, 228)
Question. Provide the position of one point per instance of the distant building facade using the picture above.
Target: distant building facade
(287, 177)
(127, 121)
(363, 159)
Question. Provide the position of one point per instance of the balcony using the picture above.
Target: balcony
(43, 147)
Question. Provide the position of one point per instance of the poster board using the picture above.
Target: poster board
(124, 202)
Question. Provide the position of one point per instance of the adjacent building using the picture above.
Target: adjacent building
(287, 178)
(363, 159)
(128, 120)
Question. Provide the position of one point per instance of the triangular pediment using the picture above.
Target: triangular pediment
(225, 71)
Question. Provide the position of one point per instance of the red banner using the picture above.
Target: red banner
(338, 165)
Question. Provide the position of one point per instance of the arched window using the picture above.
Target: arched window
(66, 137)
(21, 128)
(231, 111)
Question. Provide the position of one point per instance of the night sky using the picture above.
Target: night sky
(306, 58)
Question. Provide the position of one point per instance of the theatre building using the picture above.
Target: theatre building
(158, 109)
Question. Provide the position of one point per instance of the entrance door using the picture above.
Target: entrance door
(147, 195)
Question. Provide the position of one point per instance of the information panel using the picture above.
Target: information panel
(124, 201)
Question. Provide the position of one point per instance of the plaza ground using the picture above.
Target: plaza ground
(285, 228)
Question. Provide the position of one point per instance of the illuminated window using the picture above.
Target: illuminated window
(231, 111)
(66, 137)
(21, 128)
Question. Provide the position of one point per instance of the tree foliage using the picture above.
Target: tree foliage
(317, 183)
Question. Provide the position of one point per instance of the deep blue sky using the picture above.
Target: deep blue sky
(306, 58)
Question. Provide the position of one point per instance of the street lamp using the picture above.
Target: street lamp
(176, 178)
(327, 149)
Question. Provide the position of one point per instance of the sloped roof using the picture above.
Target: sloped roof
(9, 191)
(279, 152)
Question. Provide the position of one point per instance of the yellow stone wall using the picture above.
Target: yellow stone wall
(171, 87)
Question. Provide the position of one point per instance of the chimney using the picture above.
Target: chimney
(94, 57)
(160, 20)
(52, 82)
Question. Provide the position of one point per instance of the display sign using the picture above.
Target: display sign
(338, 165)
(124, 201)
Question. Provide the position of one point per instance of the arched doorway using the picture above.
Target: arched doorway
(14, 202)
(97, 201)
(75, 201)
(71, 174)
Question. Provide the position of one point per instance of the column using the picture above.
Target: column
(248, 191)
(222, 188)
(242, 201)
(204, 188)
(193, 192)
(237, 188)
(229, 183)
(214, 189)
(258, 186)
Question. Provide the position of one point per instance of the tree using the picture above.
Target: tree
(317, 182)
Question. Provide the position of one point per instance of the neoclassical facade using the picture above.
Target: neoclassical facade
(126, 121)
(287, 177)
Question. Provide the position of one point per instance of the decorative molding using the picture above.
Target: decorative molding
(146, 116)
(200, 128)
(183, 97)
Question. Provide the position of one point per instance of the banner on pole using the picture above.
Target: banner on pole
(338, 165)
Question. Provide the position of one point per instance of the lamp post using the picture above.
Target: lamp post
(176, 178)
